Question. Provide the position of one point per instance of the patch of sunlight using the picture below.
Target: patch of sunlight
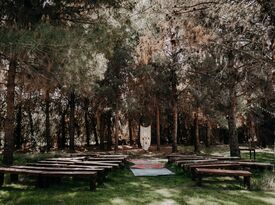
(4, 194)
(165, 202)
(134, 183)
(207, 201)
(266, 150)
(270, 193)
(72, 194)
(146, 185)
(19, 186)
(218, 153)
(238, 192)
(167, 192)
(264, 199)
(118, 201)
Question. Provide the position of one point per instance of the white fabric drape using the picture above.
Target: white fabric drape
(145, 137)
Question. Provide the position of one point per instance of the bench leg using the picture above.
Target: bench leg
(13, 178)
(237, 177)
(42, 182)
(93, 183)
(247, 182)
(199, 182)
(2, 175)
(193, 175)
(100, 177)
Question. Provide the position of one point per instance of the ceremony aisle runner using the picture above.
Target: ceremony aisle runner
(150, 167)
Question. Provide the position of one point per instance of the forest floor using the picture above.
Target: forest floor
(122, 188)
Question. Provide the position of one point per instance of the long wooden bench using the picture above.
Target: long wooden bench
(77, 162)
(184, 162)
(101, 173)
(256, 165)
(104, 160)
(38, 164)
(225, 158)
(204, 172)
(183, 157)
(212, 166)
(43, 176)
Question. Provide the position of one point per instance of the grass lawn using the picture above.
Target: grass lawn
(122, 188)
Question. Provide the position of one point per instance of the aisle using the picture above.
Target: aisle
(150, 167)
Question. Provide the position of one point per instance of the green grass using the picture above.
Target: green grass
(122, 188)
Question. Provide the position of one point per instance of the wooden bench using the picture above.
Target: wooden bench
(256, 165)
(204, 172)
(43, 176)
(101, 173)
(37, 164)
(212, 166)
(174, 158)
(225, 158)
(104, 160)
(185, 162)
(77, 162)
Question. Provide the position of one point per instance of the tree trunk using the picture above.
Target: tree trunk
(72, 120)
(233, 137)
(63, 130)
(9, 121)
(94, 128)
(116, 130)
(175, 128)
(109, 131)
(208, 134)
(18, 128)
(98, 126)
(130, 131)
(158, 127)
(87, 124)
(174, 110)
(102, 131)
(31, 127)
(197, 134)
(47, 121)
(138, 140)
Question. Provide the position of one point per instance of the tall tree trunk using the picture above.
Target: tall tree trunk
(175, 128)
(233, 136)
(94, 128)
(47, 121)
(18, 128)
(158, 127)
(72, 120)
(31, 127)
(87, 124)
(98, 125)
(9, 120)
(63, 130)
(174, 110)
(138, 140)
(208, 134)
(116, 129)
(102, 131)
(130, 131)
(197, 134)
(109, 131)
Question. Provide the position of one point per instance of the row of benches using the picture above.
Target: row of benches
(95, 168)
(205, 166)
